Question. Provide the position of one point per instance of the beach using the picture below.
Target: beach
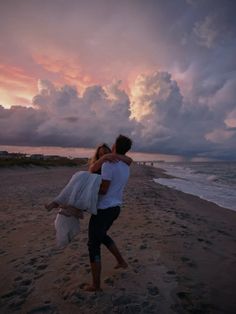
(180, 250)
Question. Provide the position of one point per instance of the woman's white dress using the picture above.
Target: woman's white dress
(80, 192)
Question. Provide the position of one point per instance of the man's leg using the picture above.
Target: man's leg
(110, 244)
(121, 263)
(94, 246)
(96, 268)
(98, 226)
(96, 276)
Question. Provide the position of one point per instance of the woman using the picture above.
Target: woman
(102, 154)
(81, 193)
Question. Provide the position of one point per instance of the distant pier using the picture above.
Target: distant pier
(149, 162)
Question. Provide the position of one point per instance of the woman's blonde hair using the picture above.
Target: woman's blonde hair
(96, 154)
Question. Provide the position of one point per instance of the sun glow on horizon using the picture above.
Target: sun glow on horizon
(17, 86)
(8, 100)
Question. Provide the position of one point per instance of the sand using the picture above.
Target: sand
(180, 250)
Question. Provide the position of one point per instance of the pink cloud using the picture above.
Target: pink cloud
(17, 85)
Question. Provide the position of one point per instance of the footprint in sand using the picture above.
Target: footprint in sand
(42, 267)
(25, 282)
(183, 295)
(188, 262)
(143, 246)
(47, 308)
(109, 281)
(205, 241)
(15, 298)
(152, 289)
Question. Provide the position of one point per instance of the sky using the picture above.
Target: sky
(77, 73)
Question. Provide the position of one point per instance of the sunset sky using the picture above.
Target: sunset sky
(76, 73)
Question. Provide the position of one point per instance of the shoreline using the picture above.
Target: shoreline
(204, 197)
(179, 247)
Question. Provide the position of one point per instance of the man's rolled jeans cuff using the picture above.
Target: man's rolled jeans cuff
(97, 258)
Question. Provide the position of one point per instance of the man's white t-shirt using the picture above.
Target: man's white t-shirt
(118, 174)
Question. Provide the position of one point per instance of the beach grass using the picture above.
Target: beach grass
(49, 162)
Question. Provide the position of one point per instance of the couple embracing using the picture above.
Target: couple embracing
(113, 178)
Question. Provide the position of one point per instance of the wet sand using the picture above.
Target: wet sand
(180, 250)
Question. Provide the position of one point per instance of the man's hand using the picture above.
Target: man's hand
(104, 186)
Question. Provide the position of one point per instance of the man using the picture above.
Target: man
(114, 179)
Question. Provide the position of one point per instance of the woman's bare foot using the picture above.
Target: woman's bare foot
(121, 265)
(51, 205)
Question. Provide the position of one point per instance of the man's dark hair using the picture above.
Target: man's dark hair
(123, 144)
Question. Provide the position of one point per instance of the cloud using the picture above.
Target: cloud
(219, 135)
(155, 103)
(216, 27)
(19, 125)
(207, 32)
(156, 115)
(73, 120)
(67, 70)
(230, 119)
(19, 82)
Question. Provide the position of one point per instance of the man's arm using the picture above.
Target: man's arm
(126, 159)
(109, 157)
(104, 186)
(106, 174)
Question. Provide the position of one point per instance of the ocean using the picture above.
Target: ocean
(213, 181)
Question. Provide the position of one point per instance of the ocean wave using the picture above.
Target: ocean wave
(210, 181)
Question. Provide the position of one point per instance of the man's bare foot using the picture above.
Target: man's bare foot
(51, 205)
(121, 265)
(91, 288)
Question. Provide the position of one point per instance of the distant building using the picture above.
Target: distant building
(37, 156)
(52, 157)
(5, 154)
